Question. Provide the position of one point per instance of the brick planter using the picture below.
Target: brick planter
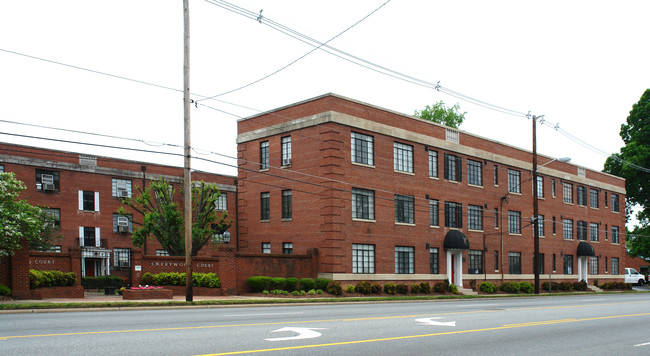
(58, 292)
(202, 291)
(137, 294)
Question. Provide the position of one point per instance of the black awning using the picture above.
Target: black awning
(585, 249)
(456, 240)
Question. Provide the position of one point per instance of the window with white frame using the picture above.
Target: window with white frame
(89, 236)
(593, 232)
(514, 181)
(614, 265)
(474, 172)
(514, 262)
(363, 204)
(47, 180)
(581, 195)
(363, 258)
(266, 247)
(615, 207)
(567, 191)
(122, 223)
(614, 234)
(593, 198)
(286, 150)
(453, 214)
(222, 202)
(514, 222)
(540, 225)
(402, 157)
(362, 148)
(434, 259)
(568, 264)
(433, 164)
(404, 208)
(122, 257)
(475, 262)
(453, 168)
(88, 201)
(121, 188)
(433, 213)
(475, 217)
(264, 155)
(52, 218)
(593, 265)
(404, 259)
(581, 230)
(567, 229)
(540, 187)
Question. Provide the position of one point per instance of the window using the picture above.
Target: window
(475, 262)
(605, 199)
(286, 204)
(47, 180)
(362, 149)
(363, 258)
(89, 236)
(122, 223)
(553, 187)
(264, 155)
(474, 172)
(593, 198)
(433, 213)
(582, 195)
(582, 231)
(554, 263)
(567, 229)
(614, 234)
(265, 209)
(496, 218)
(514, 262)
(434, 259)
(541, 263)
(55, 249)
(514, 222)
(287, 248)
(453, 214)
(222, 202)
(605, 264)
(363, 204)
(404, 259)
(514, 181)
(452, 135)
(121, 188)
(433, 164)
(593, 265)
(540, 187)
(475, 217)
(496, 175)
(122, 257)
(88, 201)
(496, 261)
(52, 218)
(404, 205)
(402, 157)
(567, 191)
(540, 225)
(286, 150)
(2, 168)
(615, 203)
(453, 168)
(568, 264)
(162, 253)
(266, 247)
(593, 232)
(554, 225)
(614, 265)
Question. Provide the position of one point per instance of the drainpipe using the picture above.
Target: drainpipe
(237, 214)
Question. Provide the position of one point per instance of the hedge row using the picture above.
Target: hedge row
(5, 291)
(209, 280)
(101, 282)
(38, 279)
(258, 284)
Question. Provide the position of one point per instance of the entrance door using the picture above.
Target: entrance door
(455, 267)
(89, 268)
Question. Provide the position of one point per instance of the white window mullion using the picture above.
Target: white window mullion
(96, 201)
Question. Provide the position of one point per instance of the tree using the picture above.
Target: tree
(636, 136)
(19, 220)
(441, 114)
(163, 217)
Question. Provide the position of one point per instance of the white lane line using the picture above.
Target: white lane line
(644, 344)
(267, 314)
(477, 305)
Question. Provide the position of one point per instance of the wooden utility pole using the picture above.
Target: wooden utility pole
(187, 176)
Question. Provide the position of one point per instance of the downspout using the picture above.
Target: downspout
(237, 214)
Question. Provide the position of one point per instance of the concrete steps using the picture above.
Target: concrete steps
(465, 291)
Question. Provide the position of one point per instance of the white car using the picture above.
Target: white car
(634, 277)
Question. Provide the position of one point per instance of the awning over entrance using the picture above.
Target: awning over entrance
(585, 249)
(456, 240)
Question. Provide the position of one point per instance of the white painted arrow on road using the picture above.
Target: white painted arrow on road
(430, 321)
(303, 333)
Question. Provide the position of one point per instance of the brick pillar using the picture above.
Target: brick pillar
(20, 273)
(314, 262)
(136, 263)
(228, 269)
(75, 263)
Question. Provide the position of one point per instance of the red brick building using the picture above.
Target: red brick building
(386, 196)
(83, 194)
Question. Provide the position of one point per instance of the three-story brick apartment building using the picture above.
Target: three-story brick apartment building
(83, 193)
(389, 197)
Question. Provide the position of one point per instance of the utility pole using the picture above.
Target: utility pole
(187, 176)
(535, 208)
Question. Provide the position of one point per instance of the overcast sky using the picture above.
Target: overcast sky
(582, 64)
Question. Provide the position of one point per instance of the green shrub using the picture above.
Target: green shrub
(38, 279)
(580, 286)
(425, 288)
(554, 286)
(453, 289)
(311, 292)
(415, 288)
(258, 283)
(510, 287)
(595, 282)
(565, 286)
(526, 287)
(208, 280)
(279, 283)
(292, 284)
(146, 279)
(440, 287)
(402, 288)
(487, 287)
(334, 288)
(4, 290)
(376, 288)
(472, 284)
(363, 287)
(295, 292)
(389, 288)
(321, 283)
(319, 291)
(349, 289)
(307, 284)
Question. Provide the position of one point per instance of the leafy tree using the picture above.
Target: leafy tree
(163, 217)
(636, 136)
(441, 114)
(20, 221)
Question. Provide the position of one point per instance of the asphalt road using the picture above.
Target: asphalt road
(576, 325)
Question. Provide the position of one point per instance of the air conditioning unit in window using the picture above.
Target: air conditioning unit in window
(286, 162)
(48, 186)
(122, 193)
(125, 264)
(47, 179)
(123, 229)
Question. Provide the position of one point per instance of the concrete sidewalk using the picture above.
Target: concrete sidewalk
(100, 297)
